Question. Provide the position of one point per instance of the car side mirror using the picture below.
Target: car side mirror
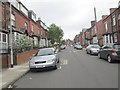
(55, 52)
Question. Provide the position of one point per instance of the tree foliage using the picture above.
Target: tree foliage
(55, 34)
(22, 43)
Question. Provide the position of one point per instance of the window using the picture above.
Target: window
(95, 29)
(106, 27)
(34, 17)
(26, 26)
(113, 20)
(3, 43)
(115, 37)
(13, 19)
(4, 38)
(107, 39)
(15, 3)
(0, 37)
(24, 10)
(32, 28)
(119, 20)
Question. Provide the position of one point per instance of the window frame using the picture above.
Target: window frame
(113, 20)
(4, 44)
(119, 20)
(32, 28)
(26, 25)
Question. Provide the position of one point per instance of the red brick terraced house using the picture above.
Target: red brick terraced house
(23, 24)
(44, 41)
(105, 31)
(77, 39)
(112, 26)
(80, 37)
(88, 37)
(101, 29)
(115, 17)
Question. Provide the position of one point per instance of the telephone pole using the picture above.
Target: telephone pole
(96, 25)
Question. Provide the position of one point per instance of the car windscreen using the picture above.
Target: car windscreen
(45, 52)
(95, 46)
(117, 47)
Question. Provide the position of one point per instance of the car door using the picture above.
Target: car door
(103, 52)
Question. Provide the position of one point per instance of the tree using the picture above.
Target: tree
(55, 34)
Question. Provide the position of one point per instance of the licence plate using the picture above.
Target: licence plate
(40, 66)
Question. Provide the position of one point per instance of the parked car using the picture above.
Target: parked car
(75, 46)
(111, 52)
(79, 47)
(92, 49)
(62, 47)
(44, 58)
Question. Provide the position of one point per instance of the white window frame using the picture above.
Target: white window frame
(0, 37)
(13, 19)
(26, 25)
(2, 42)
(115, 37)
(32, 28)
(23, 9)
(106, 27)
(113, 20)
(34, 17)
(119, 20)
(5, 37)
(15, 3)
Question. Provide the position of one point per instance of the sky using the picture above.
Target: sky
(71, 15)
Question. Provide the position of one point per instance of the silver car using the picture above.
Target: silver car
(44, 58)
(92, 49)
(79, 47)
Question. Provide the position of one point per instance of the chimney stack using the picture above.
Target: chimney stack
(92, 23)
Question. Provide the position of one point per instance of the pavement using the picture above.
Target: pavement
(10, 75)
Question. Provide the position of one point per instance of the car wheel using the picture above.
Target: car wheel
(109, 59)
(56, 66)
(90, 52)
(86, 51)
(58, 61)
(99, 55)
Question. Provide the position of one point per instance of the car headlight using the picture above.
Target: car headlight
(52, 60)
(31, 63)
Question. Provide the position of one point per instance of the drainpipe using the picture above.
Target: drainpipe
(11, 47)
(5, 15)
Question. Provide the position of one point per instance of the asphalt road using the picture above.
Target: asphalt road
(76, 70)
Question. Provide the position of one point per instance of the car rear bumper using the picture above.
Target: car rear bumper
(94, 52)
(117, 58)
(79, 48)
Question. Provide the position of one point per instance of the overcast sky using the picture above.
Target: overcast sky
(70, 15)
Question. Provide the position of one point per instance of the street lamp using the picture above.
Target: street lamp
(11, 48)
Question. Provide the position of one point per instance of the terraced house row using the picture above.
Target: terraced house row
(104, 31)
(24, 24)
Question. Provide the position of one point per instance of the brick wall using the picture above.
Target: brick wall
(24, 56)
(21, 58)
(5, 59)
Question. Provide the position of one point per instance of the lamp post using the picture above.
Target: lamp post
(11, 48)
